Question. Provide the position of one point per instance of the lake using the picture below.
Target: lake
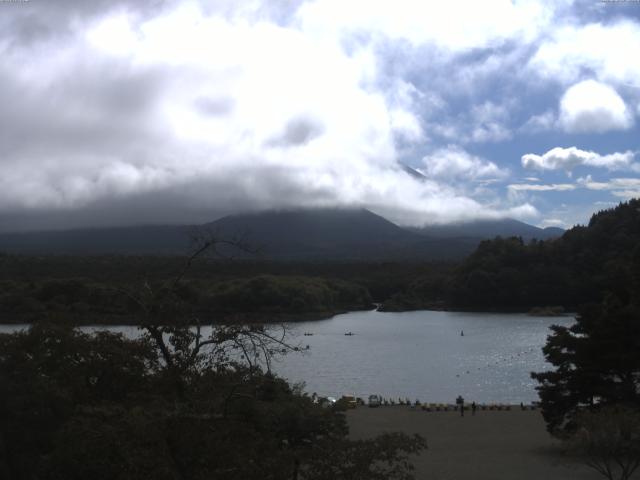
(422, 355)
(419, 355)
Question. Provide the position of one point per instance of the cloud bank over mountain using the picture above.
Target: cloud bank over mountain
(151, 112)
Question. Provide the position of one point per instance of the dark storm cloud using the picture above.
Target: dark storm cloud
(87, 109)
(192, 201)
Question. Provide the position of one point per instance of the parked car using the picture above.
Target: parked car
(375, 401)
(349, 401)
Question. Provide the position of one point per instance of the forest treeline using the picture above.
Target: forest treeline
(502, 274)
(579, 267)
(508, 274)
(260, 298)
(93, 289)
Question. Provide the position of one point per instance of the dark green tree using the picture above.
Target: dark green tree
(596, 360)
(596, 363)
(48, 373)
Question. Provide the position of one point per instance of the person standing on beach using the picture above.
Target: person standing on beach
(473, 408)
(460, 401)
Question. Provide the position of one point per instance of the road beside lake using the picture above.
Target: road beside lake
(492, 445)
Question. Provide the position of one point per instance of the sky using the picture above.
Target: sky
(152, 112)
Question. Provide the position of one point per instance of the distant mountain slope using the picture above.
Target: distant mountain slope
(330, 233)
(311, 234)
(321, 227)
(317, 233)
(486, 229)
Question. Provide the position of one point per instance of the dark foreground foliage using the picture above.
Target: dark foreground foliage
(78, 406)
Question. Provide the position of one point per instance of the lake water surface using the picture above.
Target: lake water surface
(422, 355)
(416, 355)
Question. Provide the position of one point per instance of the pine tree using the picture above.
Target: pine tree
(596, 360)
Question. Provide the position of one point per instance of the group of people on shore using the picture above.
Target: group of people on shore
(460, 403)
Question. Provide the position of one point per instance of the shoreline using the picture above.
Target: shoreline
(252, 317)
(530, 311)
(131, 321)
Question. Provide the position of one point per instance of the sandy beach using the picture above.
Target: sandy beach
(492, 445)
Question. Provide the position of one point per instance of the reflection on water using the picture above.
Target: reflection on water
(415, 354)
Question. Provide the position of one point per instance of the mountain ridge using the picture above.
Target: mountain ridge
(486, 229)
(295, 234)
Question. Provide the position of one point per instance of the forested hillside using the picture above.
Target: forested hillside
(309, 235)
(579, 267)
(89, 289)
(263, 297)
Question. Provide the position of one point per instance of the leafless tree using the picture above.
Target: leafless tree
(177, 332)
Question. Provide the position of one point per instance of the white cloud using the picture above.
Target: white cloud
(454, 163)
(248, 105)
(456, 26)
(620, 187)
(225, 112)
(489, 132)
(558, 187)
(406, 125)
(552, 222)
(572, 157)
(540, 123)
(589, 183)
(489, 120)
(603, 50)
(485, 122)
(592, 107)
(633, 192)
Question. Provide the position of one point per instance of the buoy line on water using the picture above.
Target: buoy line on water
(500, 360)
